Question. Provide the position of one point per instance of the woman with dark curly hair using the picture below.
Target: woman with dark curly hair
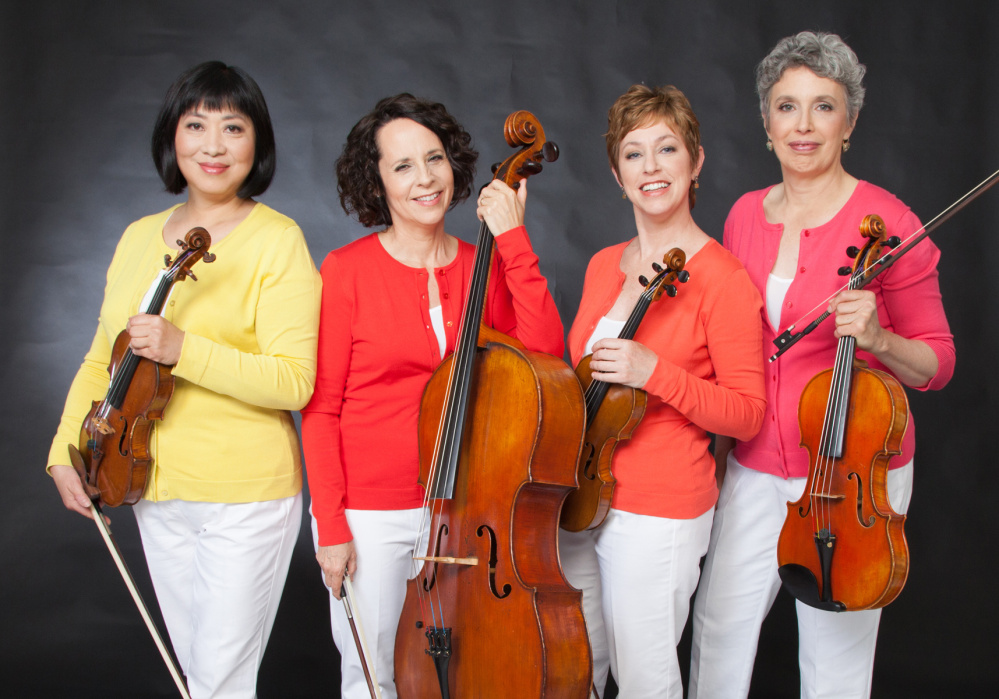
(391, 308)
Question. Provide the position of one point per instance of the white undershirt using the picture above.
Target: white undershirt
(437, 321)
(605, 328)
(776, 291)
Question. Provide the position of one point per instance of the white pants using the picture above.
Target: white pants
(637, 574)
(218, 570)
(385, 542)
(740, 583)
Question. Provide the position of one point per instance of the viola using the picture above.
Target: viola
(613, 411)
(114, 439)
(490, 614)
(842, 546)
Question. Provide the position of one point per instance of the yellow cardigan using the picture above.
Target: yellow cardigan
(249, 357)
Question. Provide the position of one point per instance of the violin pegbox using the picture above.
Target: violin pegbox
(193, 247)
(666, 276)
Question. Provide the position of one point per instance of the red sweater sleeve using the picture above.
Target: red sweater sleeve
(321, 418)
(520, 304)
(733, 404)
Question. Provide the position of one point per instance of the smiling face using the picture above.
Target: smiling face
(215, 151)
(655, 170)
(416, 175)
(807, 121)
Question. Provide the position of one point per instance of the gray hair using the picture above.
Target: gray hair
(824, 54)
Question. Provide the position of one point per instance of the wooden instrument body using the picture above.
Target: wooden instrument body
(616, 419)
(871, 559)
(115, 447)
(517, 625)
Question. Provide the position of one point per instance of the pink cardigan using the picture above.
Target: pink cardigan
(909, 304)
(377, 350)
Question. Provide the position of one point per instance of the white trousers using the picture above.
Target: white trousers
(637, 574)
(739, 585)
(385, 543)
(218, 570)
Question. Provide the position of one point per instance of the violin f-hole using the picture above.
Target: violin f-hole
(854, 476)
(123, 439)
(589, 468)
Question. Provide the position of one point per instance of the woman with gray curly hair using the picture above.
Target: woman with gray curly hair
(792, 237)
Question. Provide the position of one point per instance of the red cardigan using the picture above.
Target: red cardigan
(909, 304)
(377, 350)
(709, 378)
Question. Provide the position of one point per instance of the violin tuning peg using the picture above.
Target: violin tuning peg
(549, 152)
(683, 276)
(166, 260)
(190, 274)
(843, 271)
(670, 290)
(852, 251)
(494, 167)
(658, 267)
(893, 242)
(643, 281)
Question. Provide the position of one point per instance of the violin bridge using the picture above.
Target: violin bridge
(829, 496)
(472, 561)
(101, 425)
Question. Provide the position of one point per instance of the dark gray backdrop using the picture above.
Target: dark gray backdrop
(81, 83)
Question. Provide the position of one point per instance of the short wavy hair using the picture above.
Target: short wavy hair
(358, 182)
(641, 106)
(824, 54)
(215, 86)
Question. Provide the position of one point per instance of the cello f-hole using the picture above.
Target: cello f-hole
(507, 588)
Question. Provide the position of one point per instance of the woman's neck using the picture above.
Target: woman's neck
(801, 193)
(418, 246)
(656, 237)
(219, 218)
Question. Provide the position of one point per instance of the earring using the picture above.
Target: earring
(770, 145)
(696, 184)
(623, 195)
(846, 144)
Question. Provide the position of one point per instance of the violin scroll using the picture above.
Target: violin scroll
(193, 247)
(666, 277)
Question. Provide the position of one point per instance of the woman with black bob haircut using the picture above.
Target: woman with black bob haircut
(222, 505)
(215, 87)
(391, 308)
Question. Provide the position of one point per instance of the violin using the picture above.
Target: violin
(613, 411)
(842, 546)
(114, 455)
(489, 613)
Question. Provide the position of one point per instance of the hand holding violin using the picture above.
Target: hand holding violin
(912, 361)
(155, 338)
(623, 361)
(501, 207)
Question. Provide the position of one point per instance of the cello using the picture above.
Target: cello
(489, 612)
(842, 546)
(613, 411)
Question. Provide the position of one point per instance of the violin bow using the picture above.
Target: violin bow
(357, 629)
(133, 589)
(788, 338)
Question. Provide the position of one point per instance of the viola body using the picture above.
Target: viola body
(516, 625)
(617, 417)
(115, 446)
(867, 561)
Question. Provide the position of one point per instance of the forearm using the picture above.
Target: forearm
(913, 361)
